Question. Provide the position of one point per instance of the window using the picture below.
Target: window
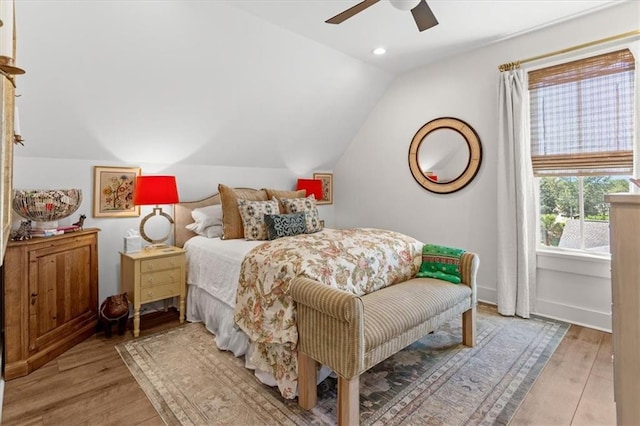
(582, 132)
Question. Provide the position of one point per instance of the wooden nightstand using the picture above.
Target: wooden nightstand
(151, 275)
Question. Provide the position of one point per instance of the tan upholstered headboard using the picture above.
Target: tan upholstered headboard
(182, 216)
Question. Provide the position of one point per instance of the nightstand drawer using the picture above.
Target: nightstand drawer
(159, 292)
(160, 264)
(153, 279)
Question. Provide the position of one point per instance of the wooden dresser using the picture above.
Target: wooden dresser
(50, 298)
(625, 292)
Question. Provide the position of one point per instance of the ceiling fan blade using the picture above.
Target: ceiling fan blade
(343, 16)
(423, 16)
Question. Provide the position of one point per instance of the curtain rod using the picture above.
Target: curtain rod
(516, 64)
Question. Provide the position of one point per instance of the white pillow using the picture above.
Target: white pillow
(214, 231)
(205, 217)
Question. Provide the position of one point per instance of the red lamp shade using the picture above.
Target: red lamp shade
(312, 186)
(155, 190)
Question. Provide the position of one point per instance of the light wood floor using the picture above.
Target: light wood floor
(89, 384)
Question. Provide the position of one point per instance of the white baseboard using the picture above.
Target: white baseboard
(487, 295)
(547, 308)
(574, 315)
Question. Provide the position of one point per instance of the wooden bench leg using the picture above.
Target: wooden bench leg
(307, 381)
(469, 327)
(348, 401)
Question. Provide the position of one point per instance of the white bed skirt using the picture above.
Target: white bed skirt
(218, 319)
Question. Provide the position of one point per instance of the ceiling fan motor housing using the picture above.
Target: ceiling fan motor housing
(404, 4)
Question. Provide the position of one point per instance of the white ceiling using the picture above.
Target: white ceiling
(463, 25)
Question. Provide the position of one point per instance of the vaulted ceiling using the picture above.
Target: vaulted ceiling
(462, 25)
(234, 83)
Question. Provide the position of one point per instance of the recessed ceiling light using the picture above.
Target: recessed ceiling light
(379, 51)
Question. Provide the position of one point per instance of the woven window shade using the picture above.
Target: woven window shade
(582, 116)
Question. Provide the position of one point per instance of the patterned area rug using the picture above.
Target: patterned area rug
(434, 381)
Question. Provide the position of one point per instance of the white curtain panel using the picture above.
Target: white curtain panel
(516, 200)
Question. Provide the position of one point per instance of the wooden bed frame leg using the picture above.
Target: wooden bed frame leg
(348, 401)
(469, 327)
(307, 381)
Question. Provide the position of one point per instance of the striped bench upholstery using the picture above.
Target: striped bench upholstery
(351, 334)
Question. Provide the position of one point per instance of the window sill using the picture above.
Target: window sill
(573, 262)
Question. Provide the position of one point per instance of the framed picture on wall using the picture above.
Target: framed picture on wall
(113, 191)
(327, 187)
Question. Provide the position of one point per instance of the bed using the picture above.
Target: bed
(238, 288)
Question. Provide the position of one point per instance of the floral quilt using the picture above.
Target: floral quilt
(359, 260)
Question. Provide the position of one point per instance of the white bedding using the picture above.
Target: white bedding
(213, 265)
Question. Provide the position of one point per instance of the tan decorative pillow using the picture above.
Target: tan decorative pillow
(280, 194)
(252, 213)
(310, 209)
(231, 221)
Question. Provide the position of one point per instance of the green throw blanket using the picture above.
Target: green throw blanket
(441, 262)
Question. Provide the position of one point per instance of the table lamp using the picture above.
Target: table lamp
(156, 190)
(312, 186)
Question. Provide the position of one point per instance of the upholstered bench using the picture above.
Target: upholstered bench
(351, 334)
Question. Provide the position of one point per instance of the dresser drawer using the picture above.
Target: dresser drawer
(159, 292)
(153, 279)
(160, 264)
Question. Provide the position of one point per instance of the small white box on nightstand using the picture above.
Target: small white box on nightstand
(132, 244)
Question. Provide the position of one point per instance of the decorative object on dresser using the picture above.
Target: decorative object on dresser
(113, 189)
(50, 298)
(80, 222)
(327, 187)
(625, 291)
(45, 207)
(114, 310)
(155, 190)
(23, 232)
(153, 274)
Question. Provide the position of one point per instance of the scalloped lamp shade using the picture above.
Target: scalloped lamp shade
(312, 186)
(155, 190)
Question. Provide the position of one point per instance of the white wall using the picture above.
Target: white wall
(374, 187)
(184, 82)
(194, 183)
(201, 90)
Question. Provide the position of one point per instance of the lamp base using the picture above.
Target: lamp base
(157, 211)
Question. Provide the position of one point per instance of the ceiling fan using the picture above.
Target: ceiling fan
(420, 10)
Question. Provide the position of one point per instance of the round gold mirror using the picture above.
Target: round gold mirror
(445, 155)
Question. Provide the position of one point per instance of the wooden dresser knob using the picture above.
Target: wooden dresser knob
(150, 293)
(34, 298)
